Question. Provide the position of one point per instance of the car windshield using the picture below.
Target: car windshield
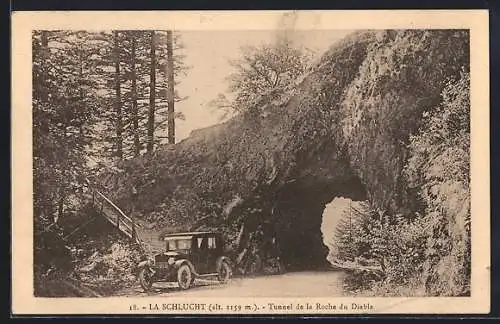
(174, 244)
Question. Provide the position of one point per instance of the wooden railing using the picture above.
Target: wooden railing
(112, 213)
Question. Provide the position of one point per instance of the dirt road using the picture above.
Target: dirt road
(294, 284)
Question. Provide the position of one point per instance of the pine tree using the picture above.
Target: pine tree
(64, 102)
(135, 70)
(95, 71)
(170, 88)
(152, 94)
(118, 101)
(135, 111)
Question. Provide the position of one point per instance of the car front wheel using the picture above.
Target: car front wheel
(184, 276)
(145, 278)
(225, 272)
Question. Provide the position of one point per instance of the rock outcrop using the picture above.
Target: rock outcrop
(341, 131)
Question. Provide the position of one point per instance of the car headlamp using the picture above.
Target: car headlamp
(170, 261)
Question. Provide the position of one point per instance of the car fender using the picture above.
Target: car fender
(179, 263)
(143, 264)
(220, 260)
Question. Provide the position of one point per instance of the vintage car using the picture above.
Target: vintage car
(187, 256)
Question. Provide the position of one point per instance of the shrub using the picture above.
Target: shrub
(396, 244)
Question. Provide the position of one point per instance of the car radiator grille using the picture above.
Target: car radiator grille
(161, 261)
(162, 264)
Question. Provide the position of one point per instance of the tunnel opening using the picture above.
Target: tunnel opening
(298, 220)
(338, 221)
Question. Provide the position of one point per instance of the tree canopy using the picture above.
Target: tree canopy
(261, 69)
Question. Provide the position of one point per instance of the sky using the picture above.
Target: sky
(208, 54)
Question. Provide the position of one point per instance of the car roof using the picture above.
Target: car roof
(190, 234)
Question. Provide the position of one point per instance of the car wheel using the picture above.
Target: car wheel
(225, 272)
(184, 276)
(255, 266)
(145, 279)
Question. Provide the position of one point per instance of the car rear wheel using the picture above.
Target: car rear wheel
(255, 266)
(145, 278)
(224, 272)
(184, 276)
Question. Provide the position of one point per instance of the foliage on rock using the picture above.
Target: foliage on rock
(262, 69)
(429, 252)
(113, 267)
(401, 78)
(439, 165)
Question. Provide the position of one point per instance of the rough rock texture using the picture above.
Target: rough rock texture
(342, 131)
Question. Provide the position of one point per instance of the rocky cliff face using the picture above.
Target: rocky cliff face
(342, 131)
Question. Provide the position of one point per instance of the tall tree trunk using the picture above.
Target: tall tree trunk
(135, 112)
(152, 95)
(80, 88)
(44, 39)
(43, 93)
(60, 206)
(118, 106)
(170, 90)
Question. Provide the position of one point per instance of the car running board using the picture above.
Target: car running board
(207, 274)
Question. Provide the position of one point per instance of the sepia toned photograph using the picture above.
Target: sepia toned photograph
(287, 168)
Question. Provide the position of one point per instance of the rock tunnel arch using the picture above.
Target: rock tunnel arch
(299, 208)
